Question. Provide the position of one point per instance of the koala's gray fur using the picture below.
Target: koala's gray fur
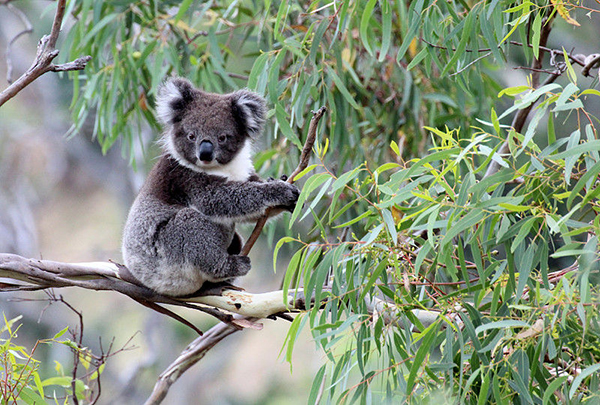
(180, 231)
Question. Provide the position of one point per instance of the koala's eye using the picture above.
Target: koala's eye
(191, 137)
(222, 138)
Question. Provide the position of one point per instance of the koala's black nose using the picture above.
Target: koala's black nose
(205, 151)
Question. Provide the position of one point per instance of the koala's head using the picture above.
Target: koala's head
(210, 132)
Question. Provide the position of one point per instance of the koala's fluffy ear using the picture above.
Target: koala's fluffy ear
(173, 96)
(249, 110)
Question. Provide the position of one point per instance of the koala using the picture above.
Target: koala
(180, 231)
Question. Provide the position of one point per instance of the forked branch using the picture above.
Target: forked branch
(46, 52)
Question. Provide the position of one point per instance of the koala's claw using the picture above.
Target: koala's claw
(283, 177)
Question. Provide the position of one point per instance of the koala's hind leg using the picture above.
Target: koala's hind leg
(192, 238)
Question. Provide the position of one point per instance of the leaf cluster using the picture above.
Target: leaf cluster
(20, 376)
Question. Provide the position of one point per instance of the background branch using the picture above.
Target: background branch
(46, 52)
(27, 30)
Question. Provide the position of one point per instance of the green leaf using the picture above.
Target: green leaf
(567, 92)
(386, 27)
(317, 198)
(285, 127)
(501, 325)
(353, 220)
(292, 270)
(372, 235)
(185, 4)
(467, 387)
(258, 69)
(495, 122)
(305, 171)
(523, 232)
(341, 87)
(387, 166)
(428, 336)
(311, 184)
(60, 333)
(513, 91)
(465, 222)
(390, 224)
(30, 397)
(97, 27)
(316, 385)
(552, 388)
(568, 106)
(38, 383)
(579, 149)
(364, 25)
(291, 336)
(418, 58)
(285, 239)
(367, 288)
(485, 387)
(579, 379)
(550, 128)
(345, 178)
(462, 45)
(536, 28)
(61, 381)
(410, 36)
(591, 173)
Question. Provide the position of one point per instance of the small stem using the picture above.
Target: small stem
(303, 164)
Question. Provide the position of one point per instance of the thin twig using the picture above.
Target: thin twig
(27, 30)
(471, 63)
(591, 61)
(573, 58)
(302, 164)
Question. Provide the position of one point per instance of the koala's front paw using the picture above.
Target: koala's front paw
(285, 195)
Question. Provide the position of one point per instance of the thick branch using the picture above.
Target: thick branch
(31, 274)
(46, 52)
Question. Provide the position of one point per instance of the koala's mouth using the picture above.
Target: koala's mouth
(207, 163)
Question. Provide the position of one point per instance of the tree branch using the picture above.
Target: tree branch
(27, 30)
(304, 158)
(46, 52)
(31, 274)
